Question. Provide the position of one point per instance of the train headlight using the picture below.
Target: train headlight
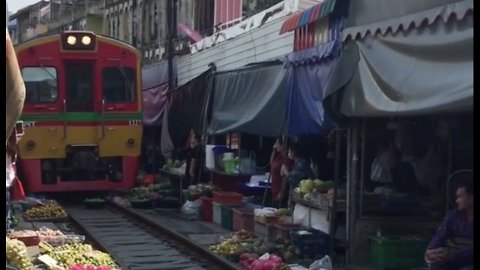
(86, 40)
(31, 145)
(78, 41)
(71, 40)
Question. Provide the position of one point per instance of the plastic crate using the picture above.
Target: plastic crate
(394, 252)
(264, 232)
(227, 216)
(284, 230)
(227, 198)
(207, 209)
(314, 245)
(243, 219)
(28, 240)
(217, 213)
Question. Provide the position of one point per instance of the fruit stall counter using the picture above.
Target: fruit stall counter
(43, 238)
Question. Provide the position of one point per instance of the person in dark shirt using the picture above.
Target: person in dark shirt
(300, 170)
(194, 168)
(452, 246)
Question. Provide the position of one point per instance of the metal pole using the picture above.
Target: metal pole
(333, 220)
(172, 32)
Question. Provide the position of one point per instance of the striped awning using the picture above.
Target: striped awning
(308, 16)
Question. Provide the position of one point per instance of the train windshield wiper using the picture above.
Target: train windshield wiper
(48, 72)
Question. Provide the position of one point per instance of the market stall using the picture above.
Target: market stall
(404, 88)
(40, 244)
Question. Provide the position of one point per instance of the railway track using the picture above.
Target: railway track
(138, 244)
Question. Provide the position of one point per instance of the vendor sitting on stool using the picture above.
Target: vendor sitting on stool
(452, 246)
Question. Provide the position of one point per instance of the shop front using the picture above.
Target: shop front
(403, 87)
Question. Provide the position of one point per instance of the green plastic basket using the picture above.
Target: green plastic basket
(397, 252)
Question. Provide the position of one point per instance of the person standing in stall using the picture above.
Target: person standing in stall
(195, 157)
(300, 170)
(279, 158)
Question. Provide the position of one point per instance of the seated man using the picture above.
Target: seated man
(452, 246)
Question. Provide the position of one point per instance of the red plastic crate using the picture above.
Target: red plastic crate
(243, 219)
(207, 209)
(227, 198)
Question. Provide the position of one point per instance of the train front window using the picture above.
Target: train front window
(118, 84)
(79, 87)
(40, 84)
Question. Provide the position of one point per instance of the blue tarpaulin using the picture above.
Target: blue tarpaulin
(308, 71)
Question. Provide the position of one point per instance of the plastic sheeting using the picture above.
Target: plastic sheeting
(186, 110)
(425, 70)
(155, 85)
(308, 72)
(249, 100)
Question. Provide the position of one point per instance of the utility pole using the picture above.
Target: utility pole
(172, 34)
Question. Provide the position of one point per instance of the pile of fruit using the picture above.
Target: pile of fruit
(73, 254)
(90, 267)
(17, 255)
(266, 262)
(173, 164)
(308, 186)
(49, 210)
(235, 244)
(230, 247)
(22, 233)
(244, 236)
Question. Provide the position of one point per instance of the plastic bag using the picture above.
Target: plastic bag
(380, 171)
(192, 209)
(323, 264)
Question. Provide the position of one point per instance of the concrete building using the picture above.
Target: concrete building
(30, 21)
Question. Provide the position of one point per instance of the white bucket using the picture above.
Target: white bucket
(209, 157)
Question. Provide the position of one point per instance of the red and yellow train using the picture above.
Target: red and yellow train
(82, 113)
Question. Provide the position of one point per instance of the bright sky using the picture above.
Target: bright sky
(14, 5)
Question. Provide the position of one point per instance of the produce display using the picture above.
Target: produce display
(266, 262)
(46, 232)
(70, 255)
(17, 256)
(49, 210)
(22, 233)
(90, 267)
(195, 191)
(173, 164)
(308, 187)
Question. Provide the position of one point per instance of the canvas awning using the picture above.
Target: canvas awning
(249, 100)
(373, 17)
(308, 16)
(425, 70)
(308, 72)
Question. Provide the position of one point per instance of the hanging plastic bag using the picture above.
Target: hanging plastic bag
(380, 171)
(323, 264)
